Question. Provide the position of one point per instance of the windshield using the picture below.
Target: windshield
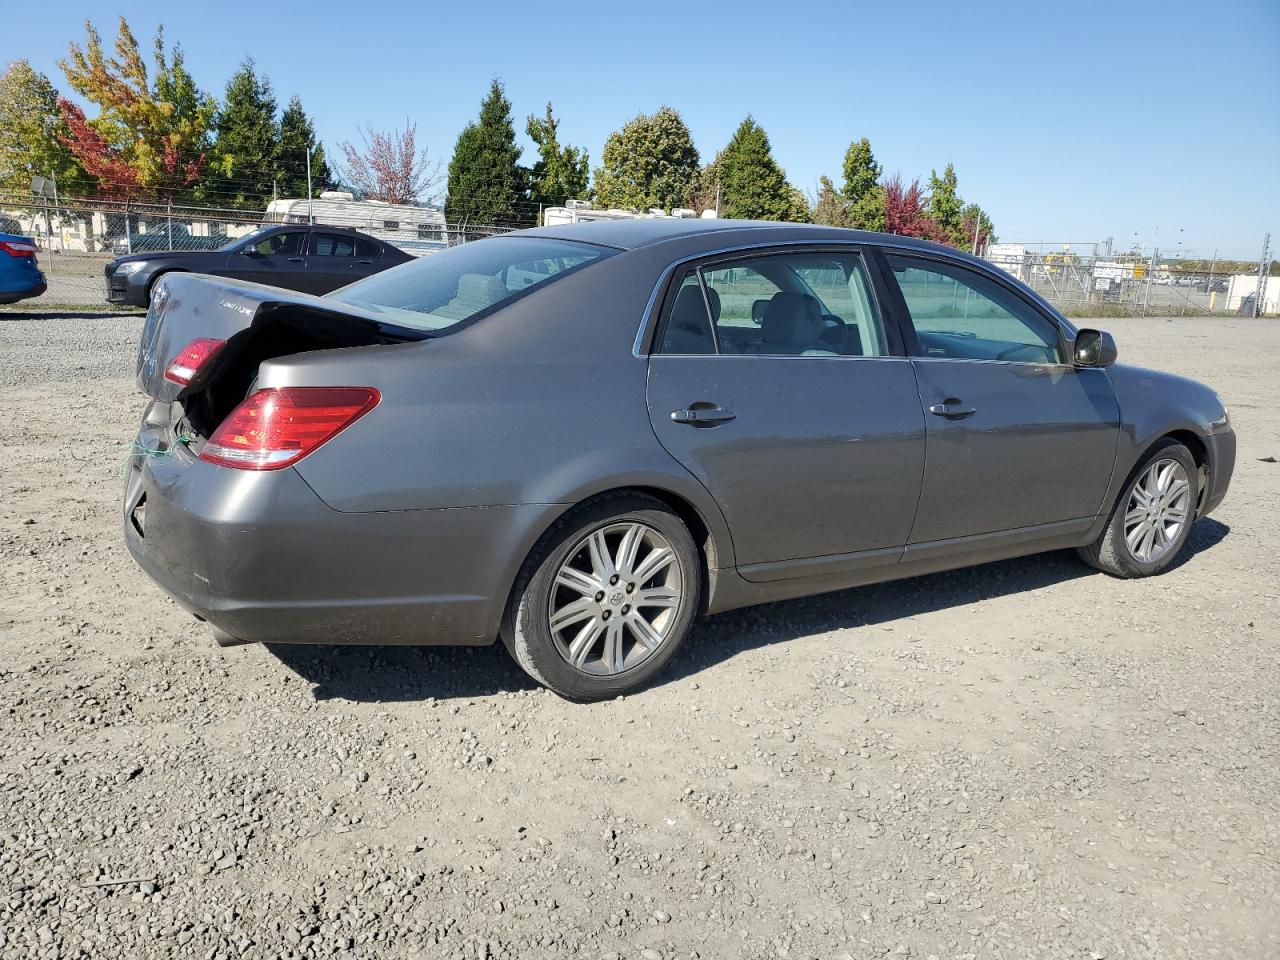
(447, 289)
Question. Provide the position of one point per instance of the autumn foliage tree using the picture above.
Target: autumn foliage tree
(390, 167)
(151, 133)
(905, 213)
(977, 227)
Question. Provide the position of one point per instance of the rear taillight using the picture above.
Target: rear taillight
(191, 358)
(279, 426)
(18, 248)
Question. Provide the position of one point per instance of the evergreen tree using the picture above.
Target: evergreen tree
(242, 171)
(32, 133)
(704, 190)
(560, 173)
(486, 182)
(650, 162)
(752, 185)
(862, 192)
(945, 206)
(297, 139)
(829, 208)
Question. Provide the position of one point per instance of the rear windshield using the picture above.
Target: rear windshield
(447, 289)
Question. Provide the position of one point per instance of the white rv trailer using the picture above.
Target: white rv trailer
(581, 211)
(415, 230)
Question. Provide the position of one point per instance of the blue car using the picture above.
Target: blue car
(20, 276)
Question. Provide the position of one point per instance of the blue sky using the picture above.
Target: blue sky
(1068, 122)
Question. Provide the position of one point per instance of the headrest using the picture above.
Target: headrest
(480, 289)
(791, 321)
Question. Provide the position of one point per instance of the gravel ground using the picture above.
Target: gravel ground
(1021, 760)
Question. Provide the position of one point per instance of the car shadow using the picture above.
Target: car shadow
(46, 314)
(385, 674)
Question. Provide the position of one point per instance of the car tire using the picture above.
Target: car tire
(557, 625)
(151, 285)
(1119, 549)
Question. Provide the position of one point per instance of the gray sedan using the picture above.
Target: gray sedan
(581, 438)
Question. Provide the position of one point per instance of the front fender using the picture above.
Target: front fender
(1154, 404)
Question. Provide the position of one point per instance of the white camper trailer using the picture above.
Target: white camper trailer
(581, 211)
(415, 230)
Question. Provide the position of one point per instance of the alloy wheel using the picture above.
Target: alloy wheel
(1158, 509)
(615, 598)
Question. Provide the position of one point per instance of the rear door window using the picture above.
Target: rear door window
(332, 245)
(803, 303)
(368, 250)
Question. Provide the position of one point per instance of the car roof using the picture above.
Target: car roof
(630, 234)
(326, 227)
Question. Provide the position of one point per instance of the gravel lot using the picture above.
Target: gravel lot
(1021, 760)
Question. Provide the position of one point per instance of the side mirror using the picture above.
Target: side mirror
(248, 252)
(1093, 348)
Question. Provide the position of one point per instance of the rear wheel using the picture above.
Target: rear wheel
(1152, 519)
(606, 600)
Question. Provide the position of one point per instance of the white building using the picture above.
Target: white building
(1009, 257)
(1242, 285)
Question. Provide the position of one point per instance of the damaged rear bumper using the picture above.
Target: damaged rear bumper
(262, 558)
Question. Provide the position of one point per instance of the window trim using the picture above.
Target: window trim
(899, 304)
(653, 326)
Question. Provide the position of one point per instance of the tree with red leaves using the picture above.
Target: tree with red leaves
(904, 211)
(390, 167)
(150, 134)
(976, 226)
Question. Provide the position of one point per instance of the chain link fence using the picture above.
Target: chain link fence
(77, 237)
(1134, 283)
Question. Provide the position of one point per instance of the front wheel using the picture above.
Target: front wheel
(1152, 519)
(607, 598)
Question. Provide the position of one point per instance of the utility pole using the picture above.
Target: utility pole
(977, 225)
(1261, 293)
(311, 218)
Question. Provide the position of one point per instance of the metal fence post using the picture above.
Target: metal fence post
(1259, 295)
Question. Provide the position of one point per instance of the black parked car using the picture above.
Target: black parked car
(309, 259)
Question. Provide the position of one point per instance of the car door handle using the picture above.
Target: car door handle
(295, 259)
(952, 409)
(704, 416)
(367, 263)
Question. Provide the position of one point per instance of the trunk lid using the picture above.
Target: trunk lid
(187, 306)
